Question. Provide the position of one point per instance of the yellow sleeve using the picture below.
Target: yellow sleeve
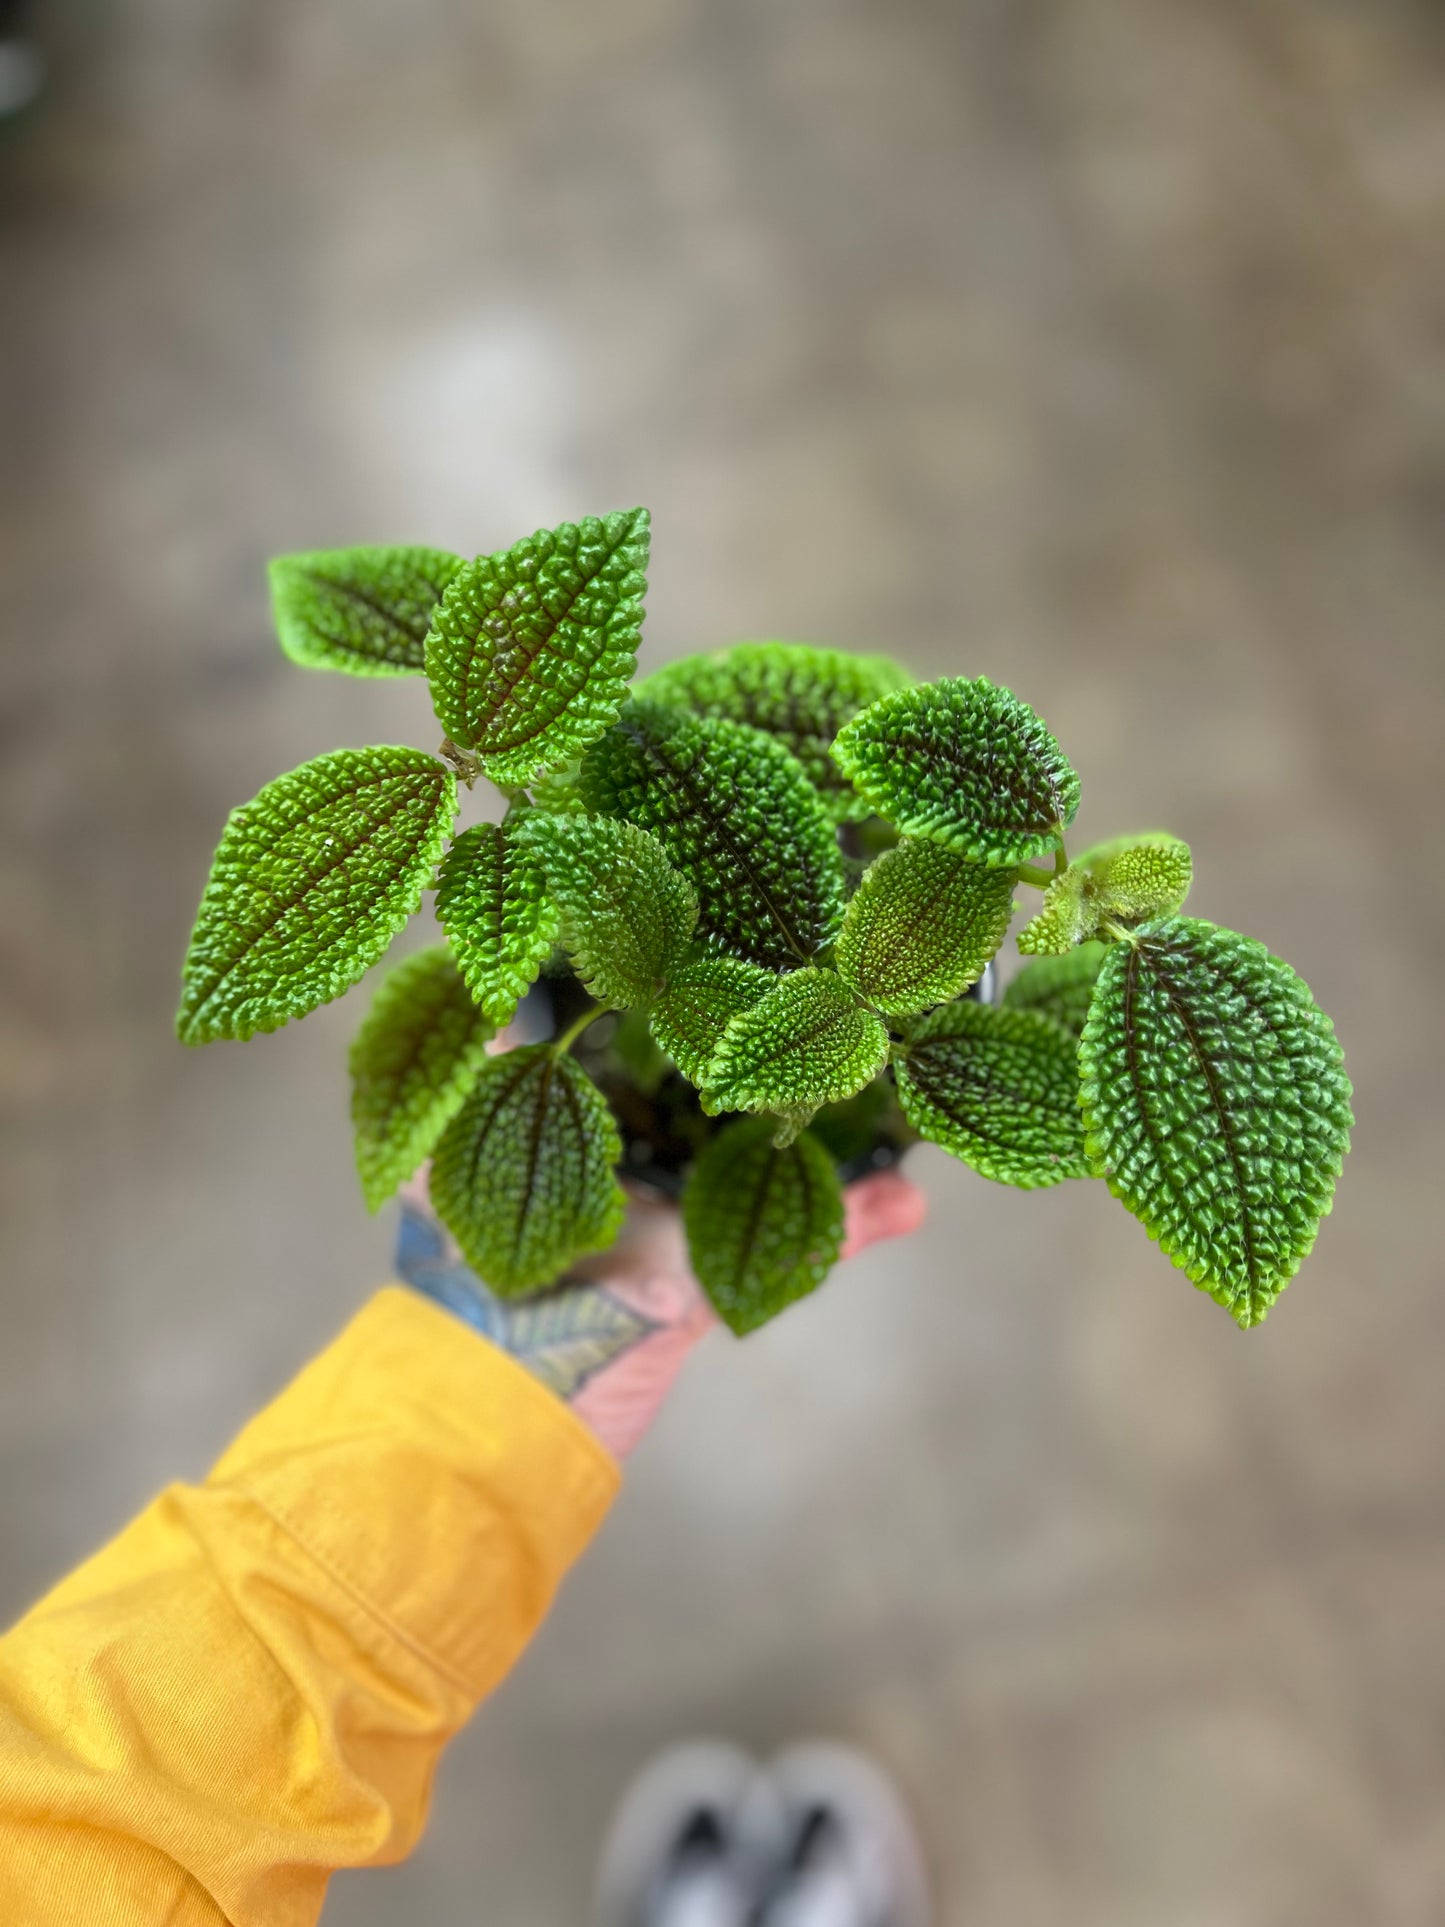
(251, 1685)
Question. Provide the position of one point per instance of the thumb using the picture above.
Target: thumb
(883, 1206)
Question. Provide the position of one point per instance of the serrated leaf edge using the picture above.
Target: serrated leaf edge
(1197, 1273)
(188, 1024)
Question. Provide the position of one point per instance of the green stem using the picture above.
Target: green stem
(561, 1045)
(1041, 879)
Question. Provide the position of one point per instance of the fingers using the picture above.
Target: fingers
(652, 1248)
(883, 1206)
(620, 1402)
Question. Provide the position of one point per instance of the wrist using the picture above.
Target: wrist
(608, 1343)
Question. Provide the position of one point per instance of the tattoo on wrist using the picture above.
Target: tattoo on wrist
(564, 1336)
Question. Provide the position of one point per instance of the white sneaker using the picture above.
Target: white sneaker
(692, 1843)
(854, 1859)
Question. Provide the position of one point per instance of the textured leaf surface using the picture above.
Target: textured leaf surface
(523, 1177)
(799, 694)
(700, 999)
(365, 610)
(557, 790)
(1060, 987)
(413, 1061)
(764, 1226)
(627, 914)
(312, 880)
(965, 763)
(532, 649)
(922, 926)
(735, 813)
(1136, 878)
(1127, 880)
(1059, 923)
(999, 1088)
(808, 1042)
(494, 904)
(1217, 1105)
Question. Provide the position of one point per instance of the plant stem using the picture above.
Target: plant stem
(561, 1045)
(1041, 879)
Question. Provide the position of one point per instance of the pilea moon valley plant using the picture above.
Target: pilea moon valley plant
(760, 892)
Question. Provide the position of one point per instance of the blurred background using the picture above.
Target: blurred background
(1092, 344)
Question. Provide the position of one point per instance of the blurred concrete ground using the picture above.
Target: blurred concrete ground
(1094, 345)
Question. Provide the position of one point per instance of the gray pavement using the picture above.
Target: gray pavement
(1093, 346)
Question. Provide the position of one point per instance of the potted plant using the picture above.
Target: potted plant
(759, 893)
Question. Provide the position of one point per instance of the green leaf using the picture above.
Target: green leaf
(532, 649)
(627, 914)
(965, 763)
(494, 904)
(312, 880)
(557, 791)
(1060, 987)
(998, 1088)
(701, 997)
(1136, 878)
(735, 813)
(413, 1061)
(764, 1225)
(1126, 880)
(1061, 920)
(922, 926)
(1216, 1104)
(365, 611)
(523, 1178)
(808, 1042)
(799, 694)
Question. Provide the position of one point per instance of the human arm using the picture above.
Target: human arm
(250, 1686)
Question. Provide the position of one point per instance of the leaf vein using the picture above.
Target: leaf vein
(285, 905)
(1226, 1126)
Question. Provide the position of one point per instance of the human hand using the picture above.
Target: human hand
(612, 1336)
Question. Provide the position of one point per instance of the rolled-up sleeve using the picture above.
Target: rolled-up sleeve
(250, 1686)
